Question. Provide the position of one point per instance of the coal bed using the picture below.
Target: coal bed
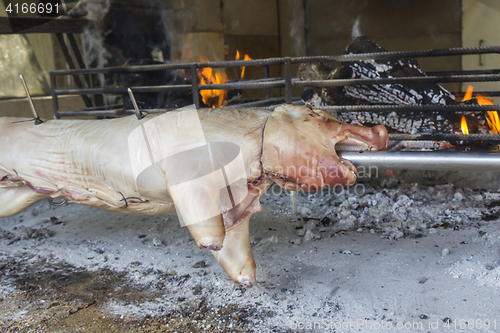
(349, 255)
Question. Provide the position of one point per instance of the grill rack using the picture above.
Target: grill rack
(288, 82)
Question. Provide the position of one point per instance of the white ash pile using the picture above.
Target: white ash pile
(408, 210)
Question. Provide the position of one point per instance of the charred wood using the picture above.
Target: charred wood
(160, 100)
(385, 94)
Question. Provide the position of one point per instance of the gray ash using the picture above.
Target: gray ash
(408, 210)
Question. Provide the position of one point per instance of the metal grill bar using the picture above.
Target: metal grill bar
(195, 87)
(122, 90)
(398, 80)
(282, 83)
(407, 108)
(402, 54)
(293, 60)
(482, 93)
(466, 72)
(95, 113)
(288, 82)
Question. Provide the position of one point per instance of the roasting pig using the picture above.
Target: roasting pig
(91, 162)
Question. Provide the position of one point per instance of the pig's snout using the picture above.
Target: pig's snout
(380, 137)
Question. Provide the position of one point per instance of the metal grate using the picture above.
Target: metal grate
(288, 82)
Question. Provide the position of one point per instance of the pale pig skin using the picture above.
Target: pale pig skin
(87, 161)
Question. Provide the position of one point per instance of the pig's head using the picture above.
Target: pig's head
(299, 148)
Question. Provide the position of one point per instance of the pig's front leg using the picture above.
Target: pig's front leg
(209, 233)
(236, 256)
(197, 202)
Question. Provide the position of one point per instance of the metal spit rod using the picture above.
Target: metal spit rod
(424, 160)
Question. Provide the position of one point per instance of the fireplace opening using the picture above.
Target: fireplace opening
(420, 219)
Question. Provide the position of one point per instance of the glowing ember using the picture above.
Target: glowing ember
(463, 126)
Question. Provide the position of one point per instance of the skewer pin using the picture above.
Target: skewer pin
(138, 112)
(38, 121)
(293, 200)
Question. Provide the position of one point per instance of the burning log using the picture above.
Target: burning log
(422, 94)
(388, 94)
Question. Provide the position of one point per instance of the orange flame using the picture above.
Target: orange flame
(468, 93)
(216, 97)
(493, 121)
(463, 126)
(492, 116)
(246, 57)
(467, 96)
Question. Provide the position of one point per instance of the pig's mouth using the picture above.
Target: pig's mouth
(352, 142)
(342, 171)
(348, 164)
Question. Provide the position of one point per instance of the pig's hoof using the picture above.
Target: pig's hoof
(245, 281)
(213, 243)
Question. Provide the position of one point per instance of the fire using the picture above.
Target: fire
(468, 93)
(246, 57)
(463, 126)
(492, 116)
(216, 97)
(467, 96)
(493, 121)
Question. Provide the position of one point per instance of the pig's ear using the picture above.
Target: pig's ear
(291, 109)
(295, 112)
(280, 111)
(326, 115)
(298, 112)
